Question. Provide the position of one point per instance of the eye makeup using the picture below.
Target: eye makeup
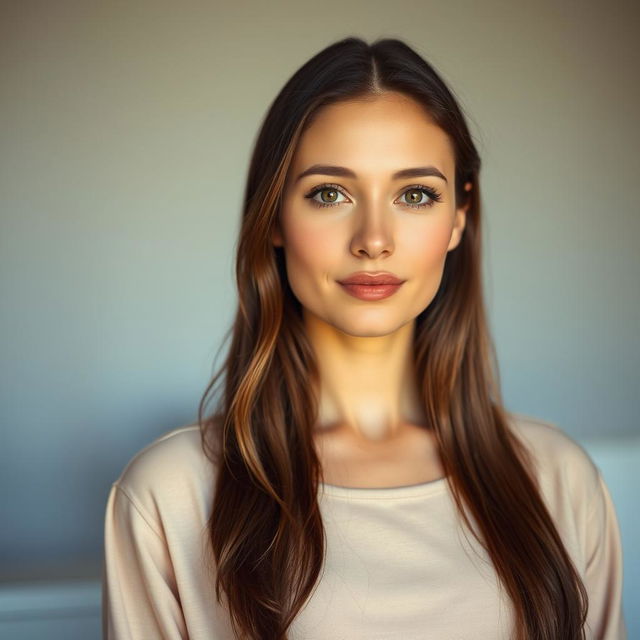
(433, 195)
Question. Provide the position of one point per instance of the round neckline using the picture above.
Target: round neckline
(389, 493)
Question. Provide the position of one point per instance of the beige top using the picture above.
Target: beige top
(397, 566)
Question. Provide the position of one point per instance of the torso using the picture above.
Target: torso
(409, 458)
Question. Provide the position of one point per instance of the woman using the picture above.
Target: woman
(360, 476)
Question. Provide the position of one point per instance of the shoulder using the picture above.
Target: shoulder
(564, 468)
(170, 472)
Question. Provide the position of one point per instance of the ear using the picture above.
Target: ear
(459, 222)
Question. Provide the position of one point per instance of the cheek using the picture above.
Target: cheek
(311, 253)
(428, 246)
(311, 244)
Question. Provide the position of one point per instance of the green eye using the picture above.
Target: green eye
(333, 192)
(419, 191)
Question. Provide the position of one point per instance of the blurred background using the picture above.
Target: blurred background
(125, 135)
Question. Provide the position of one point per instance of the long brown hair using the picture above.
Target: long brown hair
(265, 529)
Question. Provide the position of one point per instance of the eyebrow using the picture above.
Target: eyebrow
(343, 172)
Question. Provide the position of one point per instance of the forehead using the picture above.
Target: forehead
(375, 137)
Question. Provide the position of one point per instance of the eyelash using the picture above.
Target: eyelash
(434, 195)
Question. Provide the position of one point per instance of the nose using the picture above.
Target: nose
(373, 234)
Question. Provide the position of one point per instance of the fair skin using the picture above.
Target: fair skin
(371, 429)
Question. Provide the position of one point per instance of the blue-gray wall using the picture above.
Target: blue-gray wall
(125, 134)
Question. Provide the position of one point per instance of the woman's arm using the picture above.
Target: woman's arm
(604, 568)
(139, 598)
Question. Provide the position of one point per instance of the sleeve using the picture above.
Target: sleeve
(604, 569)
(139, 595)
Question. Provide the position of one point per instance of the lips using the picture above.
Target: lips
(371, 279)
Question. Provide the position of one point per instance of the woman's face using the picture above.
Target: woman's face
(372, 220)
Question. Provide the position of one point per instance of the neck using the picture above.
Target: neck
(367, 384)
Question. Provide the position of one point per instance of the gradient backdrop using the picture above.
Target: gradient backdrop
(125, 135)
